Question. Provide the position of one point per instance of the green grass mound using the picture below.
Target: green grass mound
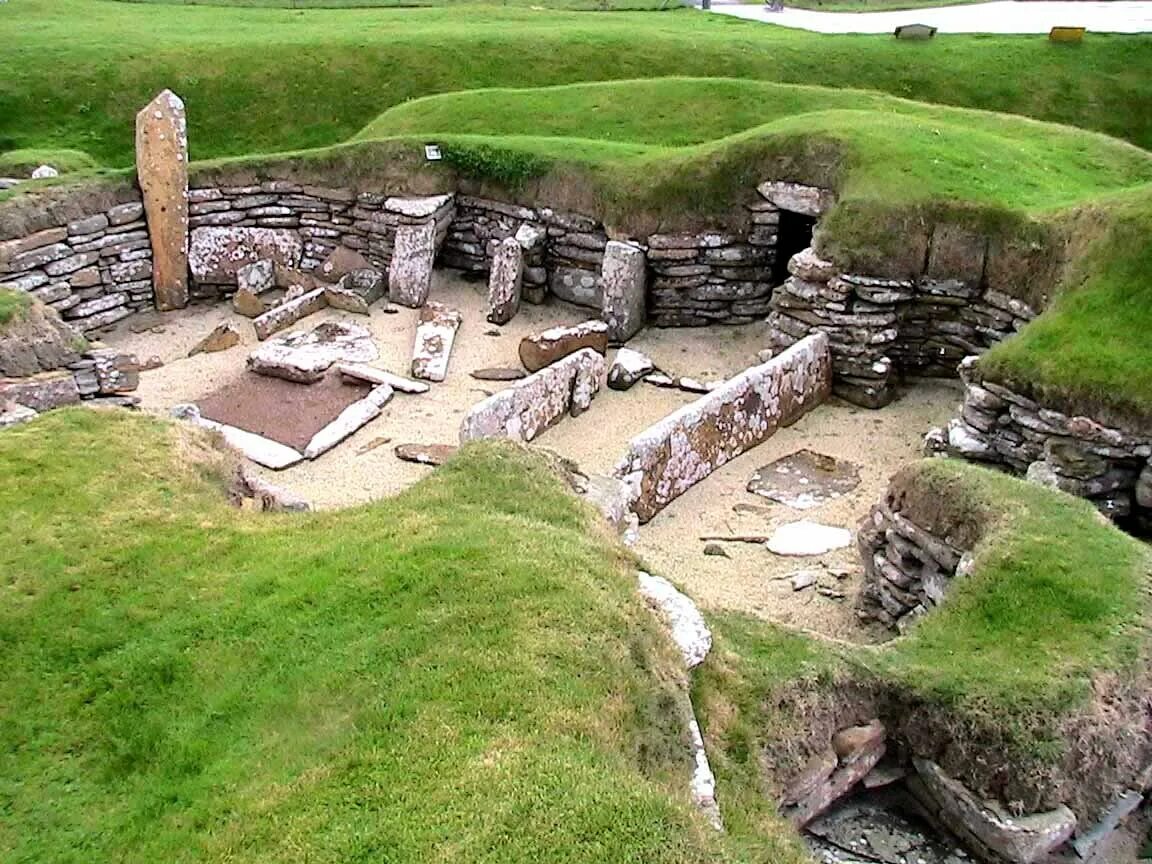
(21, 163)
(1027, 682)
(261, 80)
(462, 673)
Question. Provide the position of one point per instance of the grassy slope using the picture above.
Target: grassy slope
(579, 5)
(308, 78)
(462, 673)
(12, 303)
(1059, 601)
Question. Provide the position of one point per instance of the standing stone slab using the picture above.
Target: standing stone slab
(505, 281)
(541, 349)
(532, 405)
(410, 273)
(162, 170)
(679, 451)
(217, 253)
(287, 314)
(434, 337)
(623, 288)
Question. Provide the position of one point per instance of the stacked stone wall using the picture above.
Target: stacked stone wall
(94, 270)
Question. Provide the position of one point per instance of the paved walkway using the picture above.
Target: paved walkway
(1003, 16)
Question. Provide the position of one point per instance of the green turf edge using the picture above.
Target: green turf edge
(1012, 664)
(13, 304)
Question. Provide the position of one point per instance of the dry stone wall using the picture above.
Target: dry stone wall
(94, 270)
(1110, 467)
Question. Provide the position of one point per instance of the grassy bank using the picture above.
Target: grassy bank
(258, 80)
(1016, 663)
(463, 673)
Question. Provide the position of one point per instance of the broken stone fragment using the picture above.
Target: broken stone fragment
(715, 549)
(812, 776)
(857, 752)
(505, 281)
(288, 313)
(43, 172)
(628, 367)
(687, 626)
(304, 356)
(357, 291)
(350, 420)
(810, 267)
(802, 579)
(340, 263)
(498, 373)
(540, 350)
(249, 305)
(162, 172)
(528, 407)
(222, 337)
(13, 414)
(372, 375)
(805, 538)
(269, 497)
(426, 454)
(257, 277)
(623, 290)
(410, 272)
(796, 197)
(435, 333)
(688, 385)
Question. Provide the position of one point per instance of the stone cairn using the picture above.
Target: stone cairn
(1108, 466)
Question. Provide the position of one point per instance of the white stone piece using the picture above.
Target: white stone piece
(372, 375)
(530, 237)
(435, 334)
(703, 780)
(796, 197)
(261, 450)
(351, 419)
(13, 414)
(686, 625)
(257, 277)
(305, 355)
(417, 208)
(289, 312)
(623, 290)
(43, 172)
(807, 538)
(533, 404)
(628, 367)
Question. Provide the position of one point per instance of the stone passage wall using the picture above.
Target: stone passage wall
(880, 328)
(1109, 467)
(907, 570)
(679, 451)
(93, 270)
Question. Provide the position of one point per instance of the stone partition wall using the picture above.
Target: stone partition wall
(94, 270)
(1108, 466)
(670, 457)
(881, 328)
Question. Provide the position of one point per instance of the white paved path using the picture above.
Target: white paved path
(1003, 16)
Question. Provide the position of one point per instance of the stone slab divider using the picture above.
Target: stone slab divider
(679, 451)
(533, 404)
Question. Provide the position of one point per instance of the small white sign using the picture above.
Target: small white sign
(432, 152)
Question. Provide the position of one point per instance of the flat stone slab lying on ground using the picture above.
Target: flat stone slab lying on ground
(435, 333)
(426, 454)
(261, 450)
(628, 367)
(682, 382)
(528, 407)
(351, 420)
(13, 414)
(289, 312)
(685, 623)
(498, 373)
(679, 451)
(541, 349)
(807, 538)
(805, 479)
(372, 375)
(304, 356)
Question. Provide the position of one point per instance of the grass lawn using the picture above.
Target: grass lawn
(259, 80)
(462, 673)
(578, 5)
(1058, 606)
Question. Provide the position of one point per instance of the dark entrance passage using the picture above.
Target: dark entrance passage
(794, 235)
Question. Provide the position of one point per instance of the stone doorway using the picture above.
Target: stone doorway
(793, 235)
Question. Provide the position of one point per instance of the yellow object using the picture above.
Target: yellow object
(1066, 34)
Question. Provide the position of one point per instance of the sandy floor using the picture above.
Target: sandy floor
(750, 579)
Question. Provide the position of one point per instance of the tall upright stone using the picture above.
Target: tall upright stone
(623, 286)
(162, 170)
(410, 272)
(505, 281)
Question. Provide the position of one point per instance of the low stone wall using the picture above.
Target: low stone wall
(94, 270)
(1110, 467)
(679, 451)
(907, 570)
(880, 328)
